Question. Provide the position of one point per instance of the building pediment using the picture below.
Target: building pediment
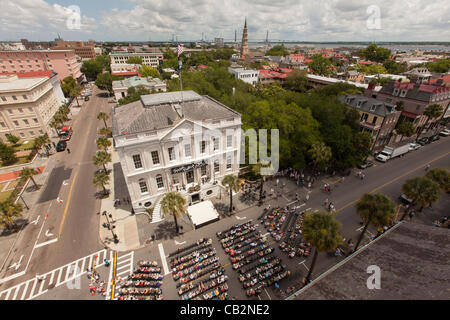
(187, 128)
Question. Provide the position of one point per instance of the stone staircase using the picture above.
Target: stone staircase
(156, 215)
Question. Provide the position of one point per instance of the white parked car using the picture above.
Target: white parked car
(445, 132)
(414, 146)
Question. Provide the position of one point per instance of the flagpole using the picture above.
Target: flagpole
(180, 65)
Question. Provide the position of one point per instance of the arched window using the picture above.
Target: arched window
(143, 186)
(159, 181)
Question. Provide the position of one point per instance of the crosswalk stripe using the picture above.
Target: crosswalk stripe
(51, 278)
(25, 290)
(33, 288)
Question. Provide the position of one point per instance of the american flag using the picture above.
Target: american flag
(180, 50)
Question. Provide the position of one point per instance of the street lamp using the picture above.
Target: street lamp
(109, 226)
(21, 198)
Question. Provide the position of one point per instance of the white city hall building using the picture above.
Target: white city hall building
(175, 141)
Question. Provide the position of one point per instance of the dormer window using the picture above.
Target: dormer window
(403, 93)
(359, 104)
(372, 108)
(395, 92)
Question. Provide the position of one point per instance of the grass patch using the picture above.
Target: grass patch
(2, 185)
(21, 160)
(12, 185)
(24, 146)
(5, 195)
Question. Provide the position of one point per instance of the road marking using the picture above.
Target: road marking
(239, 218)
(47, 234)
(265, 234)
(16, 264)
(303, 264)
(35, 222)
(395, 179)
(67, 205)
(65, 183)
(46, 243)
(285, 197)
(163, 259)
(179, 243)
(267, 294)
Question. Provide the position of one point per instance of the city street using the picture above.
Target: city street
(386, 178)
(63, 225)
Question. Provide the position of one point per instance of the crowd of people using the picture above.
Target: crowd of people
(285, 226)
(143, 284)
(197, 272)
(252, 257)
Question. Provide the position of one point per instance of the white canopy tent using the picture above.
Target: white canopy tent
(202, 213)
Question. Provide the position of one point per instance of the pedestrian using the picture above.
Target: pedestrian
(106, 263)
(325, 203)
(427, 167)
(307, 197)
(278, 180)
(68, 150)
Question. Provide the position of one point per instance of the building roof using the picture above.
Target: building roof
(161, 110)
(413, 259)
(136, 81)
(10, 83)
(415, 91)
(33, 74)
(370, 105)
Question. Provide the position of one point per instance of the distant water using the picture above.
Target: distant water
(392, 47)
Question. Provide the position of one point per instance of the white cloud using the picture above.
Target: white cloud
(319, 20)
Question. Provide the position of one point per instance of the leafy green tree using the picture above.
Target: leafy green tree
(320, 65)
(105, 61)
(75, 91)
(404, 129)
(148, 71)
(134, 60)
(321, 230)
(393, 67)
(320, 153)
(9, 212)
(67, 85)
(374, 53)
(103, 116)
(103, 143)
(278, 50)
(296, 81)
(422, 190)
(91, 68)
(104, 81)
(42, 141)
(431, 112)
(173, 203)
(29, 173)
(232, 184)
(372, 69)
(101, 179)
(102, 158)
(7, 154)
(376, 209)
(134, 94)
(104, 132)
(12, 139)
(439, 66)
(441, 177)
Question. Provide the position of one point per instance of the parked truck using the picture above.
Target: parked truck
(392, 152)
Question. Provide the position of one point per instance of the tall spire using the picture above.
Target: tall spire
(244, 45)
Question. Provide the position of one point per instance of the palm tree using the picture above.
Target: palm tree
(422, 190)
(101, 158)
(28, 173)
(9, 211)
(103, 116)
(441, 177)
(320, 153)
(173, 203)
(100, 180)
(321, 230)
(257, 169)
(432, 111)
(54, 124)
(103, 143)
(377, 209)
(60, 117)
(75, 91)
(44, 140)
(104, 132)
(231, 183)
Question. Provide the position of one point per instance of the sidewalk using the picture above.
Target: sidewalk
(125, 224)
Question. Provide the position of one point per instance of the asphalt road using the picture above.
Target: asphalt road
(68, 200)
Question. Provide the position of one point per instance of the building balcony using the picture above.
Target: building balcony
(370, 126)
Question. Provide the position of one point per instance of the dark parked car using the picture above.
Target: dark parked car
(423, 141)
(434, 138)
(366, 164)
(86, 98)
(61, 146)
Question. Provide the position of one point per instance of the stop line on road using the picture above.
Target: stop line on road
(35, 287)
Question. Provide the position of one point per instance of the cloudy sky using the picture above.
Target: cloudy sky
(302, 20)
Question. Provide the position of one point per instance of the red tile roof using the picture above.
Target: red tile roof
(445, 78)
(366, 62)
(128, 73)
(202, 66)
(34, 74)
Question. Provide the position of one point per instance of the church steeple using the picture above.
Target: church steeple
(244, 45)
